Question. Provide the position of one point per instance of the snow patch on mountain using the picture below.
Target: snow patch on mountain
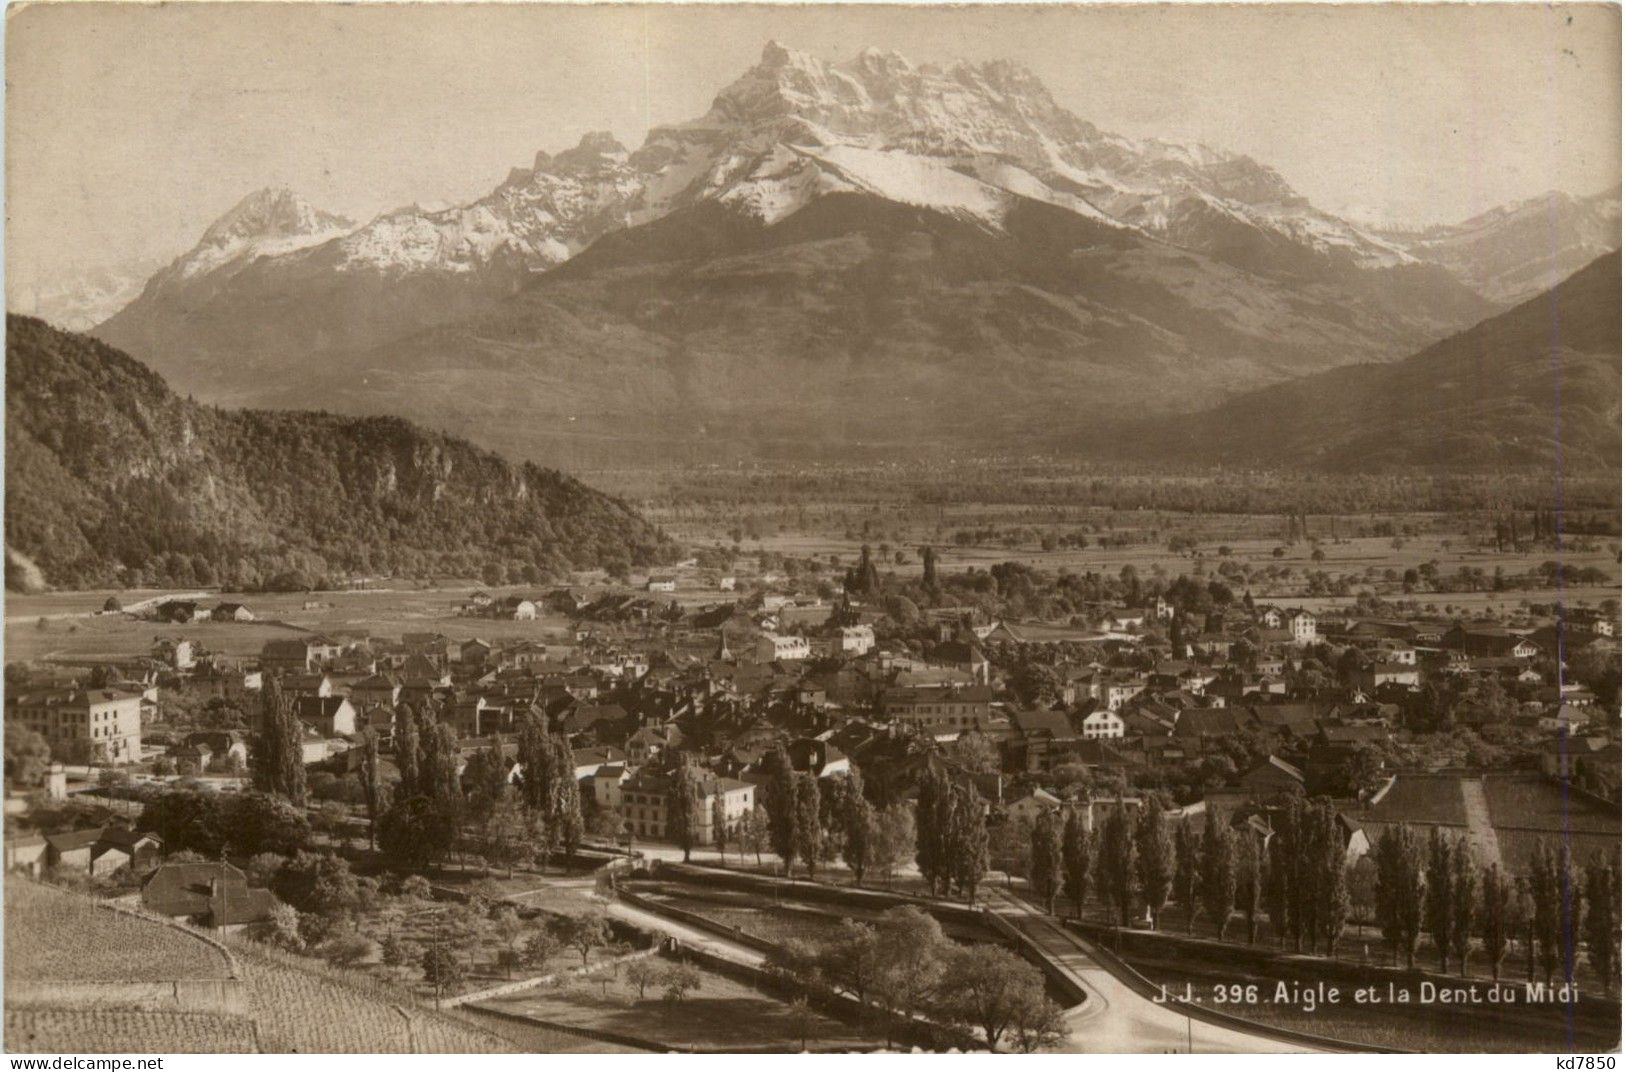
(267, 223)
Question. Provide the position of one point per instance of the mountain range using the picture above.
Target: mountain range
(835, 255)
(113, 479)
(1537, 386)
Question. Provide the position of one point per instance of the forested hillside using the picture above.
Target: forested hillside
(111, 478)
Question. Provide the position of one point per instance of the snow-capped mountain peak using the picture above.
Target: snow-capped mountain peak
(268, 222)
(965, 138)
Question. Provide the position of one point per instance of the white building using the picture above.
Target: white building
(771, 647)
(1102, 724)
(1304, 628)
(857, 639)
(82, 725)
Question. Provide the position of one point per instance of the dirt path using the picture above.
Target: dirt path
(1480, 832)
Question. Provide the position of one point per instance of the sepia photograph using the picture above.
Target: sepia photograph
(902, 528)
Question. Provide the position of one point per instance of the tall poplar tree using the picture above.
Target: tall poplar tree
(1440, 903)
(1401, 889)
(779, 801)
(1250, 881)
(372, 784)
(1115, 862)
(1048, 867)
(683, 808)
(1218, 871)
(1464, 903)
(967, 840)
(406, 750)
(809, 831)
(1076, 859)
(1187, 871)
(1156, 859)
(1494, 918)
(1602, 920)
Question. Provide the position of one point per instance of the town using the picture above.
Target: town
(829, 785)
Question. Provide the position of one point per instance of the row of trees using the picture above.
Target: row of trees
(803, 821)
(1306, 886)
(1554, 908)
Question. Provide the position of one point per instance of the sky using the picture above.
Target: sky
(129, 128)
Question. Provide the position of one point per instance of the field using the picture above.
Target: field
(1522, 811)
(297, 1005)
(30, 1030)
(90, 636)
(304, 1007)
(1053, 514)
(53, 934)
(475, 939)
(722, 1015)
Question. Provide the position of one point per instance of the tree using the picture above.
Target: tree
(912, 953)
(1494, 915)
(508, 927)
(1401, 890)
(967, 840)
(1555, 888)
(753, 832)
(316, 882)
(1048, 869)
(809, 831)
(1115, 863)
(1155, 850)
(277, 759)
(720, 833)
(894, 839)
(933, 810)
(583, 933)
(564, 816)
(677, 981)
(441, 969)
(486, 777)
(1037, 1024)
(441, 758)
(683, 808)
(281, 929)
(1250, 882)
(372, 784)
(1602, 920)
(540, 948)
(27, 756)
(393, 951)
(990, 988)
(779, 800)
(642, 974)
(850, 958)
(1187, 870)
(1076, 860)
(349, 950)
(1326, 877)
(1464, 898)
(406, 749)
(859, 827)
(415, 833)
(1218, 867)
(1521, 920)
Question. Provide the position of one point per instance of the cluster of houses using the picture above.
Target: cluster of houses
(1034, 714)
